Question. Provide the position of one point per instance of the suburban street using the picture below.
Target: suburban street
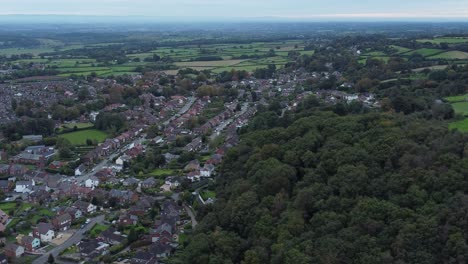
(191, 101)
(71, 241)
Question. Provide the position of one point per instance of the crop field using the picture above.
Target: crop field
(247, 57)
(451, 55)
(79, 137)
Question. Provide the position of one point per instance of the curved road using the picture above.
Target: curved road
(73, 240)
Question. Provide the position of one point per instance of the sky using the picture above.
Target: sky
(221, 9)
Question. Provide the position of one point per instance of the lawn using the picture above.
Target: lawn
(80, 137)
(461, 125)
(162, 172)
(97, 229)
(208, 194)
(460, 107)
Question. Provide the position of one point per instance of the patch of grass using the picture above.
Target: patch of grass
(457, 98)
(97, 229)
(80, 137)
(162, 172)
(460, 107)
(461, 125)
(208, 194)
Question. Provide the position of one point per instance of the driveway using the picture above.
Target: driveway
(73, 240)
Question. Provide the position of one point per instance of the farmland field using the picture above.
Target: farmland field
(461, 108)
(425, 52)
(80, 137)
(451, 55)
(458, 98)
(461, 125)
(453, 40)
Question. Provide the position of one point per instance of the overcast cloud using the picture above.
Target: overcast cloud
(243, 8)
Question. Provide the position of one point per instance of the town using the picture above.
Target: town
(128, 198)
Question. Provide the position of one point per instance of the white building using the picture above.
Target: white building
(92, 182)
(24, 186)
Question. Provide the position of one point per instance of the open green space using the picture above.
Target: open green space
(163, 172)
(461, 125)
(97, 229)
(80, 137)
(425, 52)
(451, 40)
(451, 55)
(460, 108)
(205, 194)
(457, 98)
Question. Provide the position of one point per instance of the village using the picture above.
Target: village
(103, 210)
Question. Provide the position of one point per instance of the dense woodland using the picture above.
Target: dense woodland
(316, 187)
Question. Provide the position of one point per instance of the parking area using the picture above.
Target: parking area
(61, 238)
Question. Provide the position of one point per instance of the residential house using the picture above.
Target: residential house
(3, 217)
(85, 207)
(73, 212)
(161, 250)
(62, 222)
(144, 257)
(148, 183)
(207, 170)
(24, 186)
(128, 219)
(192, 165)
(92, 182)
(173, 182)
(14, 251)
(123, 159)
(3, 259)
(92, 248)
(194, 175)
(44, 231)
(123, 196)
(163, 234)
(130, 182)
(30, 243)
(80, 170)
(111, 236)
(5, 186)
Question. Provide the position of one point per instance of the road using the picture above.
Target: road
(192, 215)
(73, 240)
(226, 123)
(191, 101)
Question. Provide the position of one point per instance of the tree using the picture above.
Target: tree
(51, 259)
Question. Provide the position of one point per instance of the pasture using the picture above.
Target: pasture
(460, 108)
(457, 98)
(79, 137)
(424, 52)
(461, 125)
(451, 55)
(451, 40)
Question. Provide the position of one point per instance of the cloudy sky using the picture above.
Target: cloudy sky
(302, 9)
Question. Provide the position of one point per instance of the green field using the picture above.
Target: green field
(400, 49)
(453, 40)
(80, 137)
(460, 125)
(425, 52)
(451, 55)
(460, 108)
(457, 98)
